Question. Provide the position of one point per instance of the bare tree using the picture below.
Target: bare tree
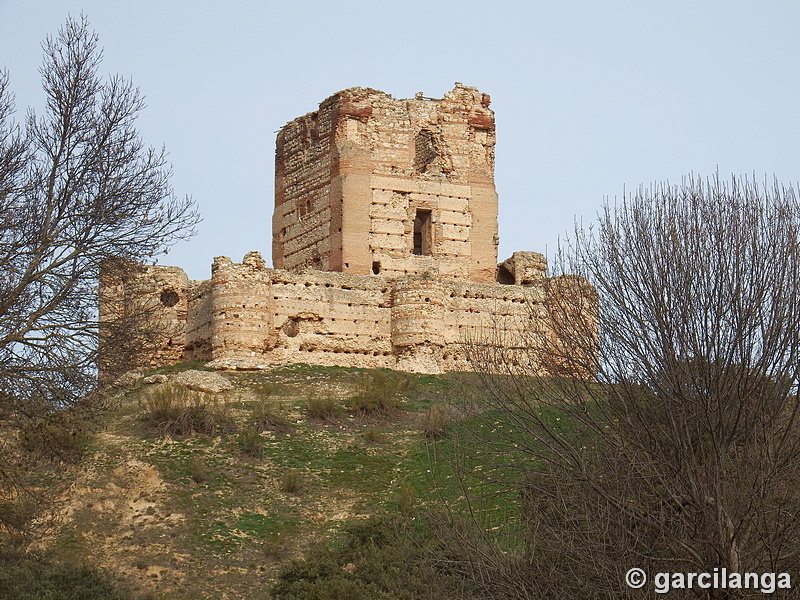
(78, 188)
(681, 453)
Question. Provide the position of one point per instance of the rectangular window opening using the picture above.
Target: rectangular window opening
(422, 232)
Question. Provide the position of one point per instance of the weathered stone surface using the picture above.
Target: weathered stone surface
(524, 268)
(157, 378)
(129, 379)
(203, 381)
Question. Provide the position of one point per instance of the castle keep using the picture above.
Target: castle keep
(384, 248)
(373, 185)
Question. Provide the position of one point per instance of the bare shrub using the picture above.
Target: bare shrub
(406, 498)
(265, 389)
(436, 421)
(197, 470)
(373, 436)
(56, 436)
(269, 415)
(680, 453)
(79, 189)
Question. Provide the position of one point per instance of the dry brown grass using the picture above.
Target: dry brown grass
(176, 410)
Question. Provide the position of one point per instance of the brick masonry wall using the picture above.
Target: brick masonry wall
(351, 176)
(303, 172)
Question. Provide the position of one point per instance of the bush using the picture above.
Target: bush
(436, 421)
(292, 483)
(26, 578)
(379, 392)
(20, 515)
(323, 409)
(177, 410)
(251, 443)
(268, 416)
(274, 548)
(16, 510)
(197, 470)
(379, 559)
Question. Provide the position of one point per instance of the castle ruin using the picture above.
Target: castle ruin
(384, 248)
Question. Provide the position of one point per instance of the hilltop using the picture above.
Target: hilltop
(189, 494)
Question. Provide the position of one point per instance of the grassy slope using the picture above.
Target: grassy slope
(135, 508)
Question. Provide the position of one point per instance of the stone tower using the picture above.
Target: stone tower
(370, 184)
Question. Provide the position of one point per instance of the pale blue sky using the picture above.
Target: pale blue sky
(590, 96)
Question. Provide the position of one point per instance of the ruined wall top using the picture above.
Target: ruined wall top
(441, 152)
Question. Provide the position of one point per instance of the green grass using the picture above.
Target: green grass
(316, 370)
(196, 365)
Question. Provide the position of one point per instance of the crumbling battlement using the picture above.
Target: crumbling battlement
(384, 247)
(249, 315)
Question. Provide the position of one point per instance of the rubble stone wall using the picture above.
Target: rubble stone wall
(248, 315)
(144, 316)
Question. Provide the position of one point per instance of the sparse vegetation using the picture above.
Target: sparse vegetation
(380, 392)
(292, 483)
(251, 443)
(176, 410)
(324, 409)
(209, 503)
(194, 365)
